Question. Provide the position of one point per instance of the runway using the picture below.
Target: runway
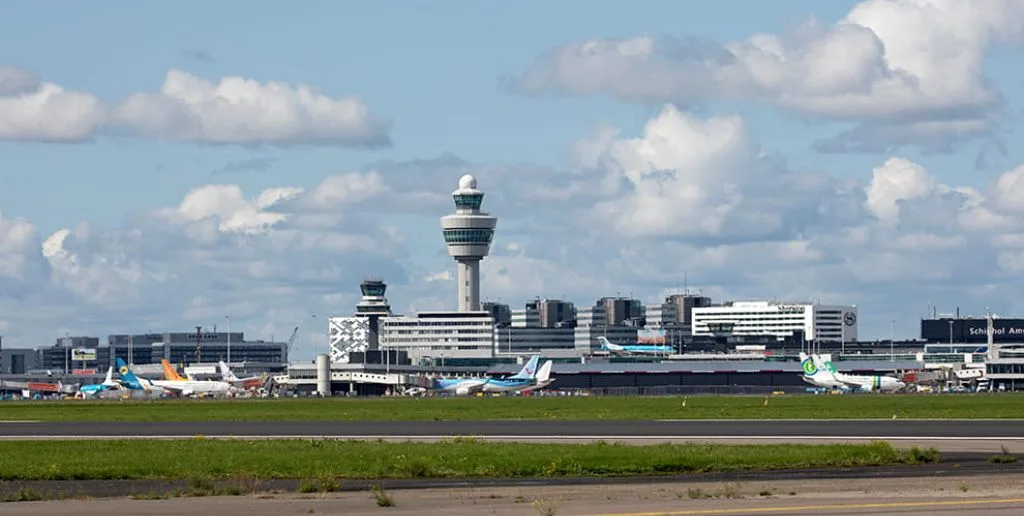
(951, 434)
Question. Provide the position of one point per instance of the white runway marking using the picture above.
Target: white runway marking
(694, 438)
(19, 421)
(832, 420)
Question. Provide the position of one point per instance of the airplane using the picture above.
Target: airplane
(622, 350)
(134, 383)
(467, 386)
(512, 384)
(108, 384)
(170, 373)
(247, 383)
(860, 382)
(180, 387)
(816, 376)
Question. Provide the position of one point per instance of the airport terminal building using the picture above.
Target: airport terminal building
(821, 323)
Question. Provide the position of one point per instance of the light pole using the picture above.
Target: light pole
(951, 333)
(67, 352)
(130, 357)
(228, 317)
(892, 337)
(312, 339)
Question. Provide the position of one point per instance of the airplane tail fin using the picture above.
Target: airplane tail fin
(808, 364)
(226, 374)
(530, 369)
(823, 364)
(544, 374)
(127, 375)
(607, 345)
(169, 372)
(110, 376)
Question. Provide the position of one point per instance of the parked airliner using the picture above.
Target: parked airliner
(823, 374)
(519, 384)
(638, 349)
(87, 391)
(246, 383)
(526, 377)
(175, 383)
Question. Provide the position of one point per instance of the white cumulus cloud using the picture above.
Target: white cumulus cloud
(908, 71)
(689, 195)
(233, 110)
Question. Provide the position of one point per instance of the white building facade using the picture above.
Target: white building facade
(823, 323)
(439, 334)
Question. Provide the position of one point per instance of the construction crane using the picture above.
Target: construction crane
(291, 340)
(199, 344)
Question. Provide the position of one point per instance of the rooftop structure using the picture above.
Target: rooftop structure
(468, 233)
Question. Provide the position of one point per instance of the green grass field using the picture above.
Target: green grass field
(994, 406)
(218, 459)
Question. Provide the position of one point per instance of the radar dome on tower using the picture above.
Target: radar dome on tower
(467, 182)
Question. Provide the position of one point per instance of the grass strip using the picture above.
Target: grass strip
(857, 406)
(200, 458)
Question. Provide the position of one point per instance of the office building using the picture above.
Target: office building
(194, 347)
(823, 323)
(429, 335)
(18, 361)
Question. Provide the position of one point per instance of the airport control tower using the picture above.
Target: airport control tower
(468, 233)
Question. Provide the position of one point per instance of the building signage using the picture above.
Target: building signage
(44, 387)
(1005, 330)
(205, 336)
(83, 354)
(971, 330)
(849, 318)
(791, 309)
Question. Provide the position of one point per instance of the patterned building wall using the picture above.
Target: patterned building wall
(348, 334)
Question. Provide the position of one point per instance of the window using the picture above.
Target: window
(468, 236)
(471, 202)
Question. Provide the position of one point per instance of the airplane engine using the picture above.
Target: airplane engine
(462, 391)
(187, 392)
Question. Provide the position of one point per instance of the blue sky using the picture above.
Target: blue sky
(439, 75)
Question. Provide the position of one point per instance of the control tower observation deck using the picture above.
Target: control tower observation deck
(468, 233)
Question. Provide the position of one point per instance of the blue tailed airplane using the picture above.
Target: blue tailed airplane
(518, 383)
(526, 377)
(619, 349)
(128, 379)
(109, 384)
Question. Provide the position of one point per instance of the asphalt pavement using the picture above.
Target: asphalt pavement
(603, 429)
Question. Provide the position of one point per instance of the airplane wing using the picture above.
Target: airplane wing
(850, 383)
(170, 387)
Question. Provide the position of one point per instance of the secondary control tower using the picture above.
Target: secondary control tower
(468, 233)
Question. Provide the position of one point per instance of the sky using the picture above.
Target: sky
(168, 165)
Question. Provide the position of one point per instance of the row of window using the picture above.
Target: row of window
(468, 236)
(1005, 368)
(471, 202)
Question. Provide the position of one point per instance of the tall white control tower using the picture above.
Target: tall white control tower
(468, 233)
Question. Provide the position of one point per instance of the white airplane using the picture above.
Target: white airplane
(246, 383)
(879, 383)
(816, 376)
(88, 391)
(633, 349)
(135, 383)
(175, 383)
(522, 382)
(466, 386)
